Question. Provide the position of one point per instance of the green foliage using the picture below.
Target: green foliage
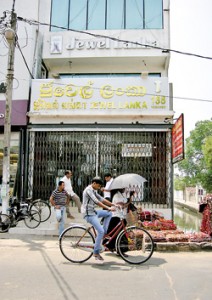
(179, 183)
(206, 181)
(207, 151)
(197, 165)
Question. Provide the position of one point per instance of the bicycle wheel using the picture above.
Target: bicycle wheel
(4, 223)
(135, 245)
(43, 208)
(33, 219)
(76, 244)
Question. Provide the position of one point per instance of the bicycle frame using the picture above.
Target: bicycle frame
(114, 232)
(109, 236)
(13, 215)
(86, 247)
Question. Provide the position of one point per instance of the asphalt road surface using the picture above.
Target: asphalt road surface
(32, 268)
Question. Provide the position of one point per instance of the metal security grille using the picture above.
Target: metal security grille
(91, 153)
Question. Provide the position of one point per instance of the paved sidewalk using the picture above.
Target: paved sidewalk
(50, 227)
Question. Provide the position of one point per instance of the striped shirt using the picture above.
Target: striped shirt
(60, 198)
(90, 199)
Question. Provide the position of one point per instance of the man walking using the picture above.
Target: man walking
(109, 179)
(68, 187)
(59, 199)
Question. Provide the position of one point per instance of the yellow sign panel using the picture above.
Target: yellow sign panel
(100, 95)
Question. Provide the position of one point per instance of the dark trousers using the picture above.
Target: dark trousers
(113, 222)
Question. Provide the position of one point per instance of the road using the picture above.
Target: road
(32, 268)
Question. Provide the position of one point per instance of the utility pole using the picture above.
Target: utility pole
(10, 35)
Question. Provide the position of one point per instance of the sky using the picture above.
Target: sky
(191, 31)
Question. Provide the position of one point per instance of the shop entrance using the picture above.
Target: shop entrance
(91, 153)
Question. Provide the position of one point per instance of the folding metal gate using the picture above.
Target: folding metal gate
(91, 153)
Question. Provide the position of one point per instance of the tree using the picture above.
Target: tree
(207, 151)
(179, 183)
(197, 165)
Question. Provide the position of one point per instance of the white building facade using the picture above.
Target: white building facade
(100, 97)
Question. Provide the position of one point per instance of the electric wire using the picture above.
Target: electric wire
(33, 22)
(24, 59)
(146, 94)
(164, 49)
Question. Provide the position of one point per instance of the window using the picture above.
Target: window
(106, 14)
(115, 14)
(153, 14)
(96, 15)
(59, 13)
(78, 13)
(135, 14)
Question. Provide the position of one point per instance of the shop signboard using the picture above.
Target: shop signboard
(100, 96)
(136, 150)
(178, 140)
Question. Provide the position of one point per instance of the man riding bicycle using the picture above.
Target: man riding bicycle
(91, 199)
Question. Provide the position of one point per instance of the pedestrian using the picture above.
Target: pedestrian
(91, 199)
(206, 209)
(73, 196)
(106, 190)
(59, 199)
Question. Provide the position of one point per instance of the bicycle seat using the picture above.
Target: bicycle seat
(28, 199)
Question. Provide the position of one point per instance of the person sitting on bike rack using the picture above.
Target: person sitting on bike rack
(91, 199)
(59, 199)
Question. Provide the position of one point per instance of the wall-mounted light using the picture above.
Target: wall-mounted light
(9, 35)
(168, 120)
(56, 76)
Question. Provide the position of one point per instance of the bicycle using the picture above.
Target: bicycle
(41, 206)
(31, 218)
(4, 223)
(134, 244)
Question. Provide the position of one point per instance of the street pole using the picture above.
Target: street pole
(10, 35)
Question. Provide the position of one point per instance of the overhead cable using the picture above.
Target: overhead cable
(34, 22)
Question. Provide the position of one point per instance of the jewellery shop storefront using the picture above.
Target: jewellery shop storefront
(115, 125)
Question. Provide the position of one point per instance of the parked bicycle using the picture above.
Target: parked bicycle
(18, 212)
(134, 244)
(41, 206)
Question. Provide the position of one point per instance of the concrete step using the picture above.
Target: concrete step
(50, 227)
